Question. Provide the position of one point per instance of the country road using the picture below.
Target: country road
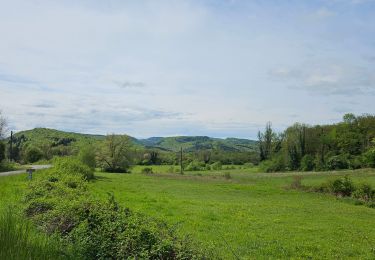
(35, 167)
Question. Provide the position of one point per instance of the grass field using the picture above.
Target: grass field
(240, 213)
(251, 215)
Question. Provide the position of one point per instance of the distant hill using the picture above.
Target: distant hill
(188, 143)
(194, 143)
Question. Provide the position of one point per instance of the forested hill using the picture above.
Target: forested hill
(39, 136)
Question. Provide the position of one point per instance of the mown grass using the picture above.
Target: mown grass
(251, 215)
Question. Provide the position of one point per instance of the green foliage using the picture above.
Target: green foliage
(307, 163)
(147, 170)
(369, 158)
(337, 162)
(216, 166)
(346, 145)
(276, 164)
(87, 156)
(195, 166)
(32, 154)
(7, 166)
(2, 151)
(341, 186)
(20, 240)
(59, 203)
(364, 192)
(72, 166)
(114, 153)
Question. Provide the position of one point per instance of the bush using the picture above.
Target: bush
(33, 154)
(147, 170)
(7, 166)
(307, 163)
(369, 158)
(341, 187)
(195, 166)
(337, 162)
(72, 166)
(364, 192)
(87, 156)
(274, 165)
(101, 230)
(216, 166)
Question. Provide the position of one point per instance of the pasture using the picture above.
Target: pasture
(251, 215)
(240, 213)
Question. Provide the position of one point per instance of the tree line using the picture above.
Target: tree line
(349, 144)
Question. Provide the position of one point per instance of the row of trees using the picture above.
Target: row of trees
(348, 144)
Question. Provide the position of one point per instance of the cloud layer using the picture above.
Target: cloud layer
(219, 68)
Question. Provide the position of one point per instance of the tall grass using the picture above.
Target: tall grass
(20, 240)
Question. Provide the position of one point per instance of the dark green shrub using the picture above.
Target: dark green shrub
(307, 163)
(2, 151)
(369, 158)
(337, 162)
(341, 187)
(364, 192)
(147, 170)
(33, 154)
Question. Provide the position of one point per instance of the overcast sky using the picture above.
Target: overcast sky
(207, 67)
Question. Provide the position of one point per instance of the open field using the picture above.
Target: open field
(251, 215)
(247, 215)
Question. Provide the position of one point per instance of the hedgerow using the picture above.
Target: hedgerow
(59, 203)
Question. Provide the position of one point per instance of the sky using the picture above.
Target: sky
(221, 68)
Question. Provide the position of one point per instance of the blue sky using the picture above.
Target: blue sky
(161, 68)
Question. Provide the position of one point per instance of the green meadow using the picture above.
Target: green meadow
(249, 215)
(240, 213)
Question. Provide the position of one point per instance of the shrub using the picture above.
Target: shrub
(337, 162)
(87, 156)
(72, 166)
(33, 154)
(364, 192)
(217, 166)
(369, 158)
(307, 163)
(147, 170)
(195, 166)
(341, 187)
(274, 165)
(58, 202)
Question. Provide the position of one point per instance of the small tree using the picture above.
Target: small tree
(114, 153)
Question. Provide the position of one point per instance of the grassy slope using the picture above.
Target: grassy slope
(252, 213)
(39, 135)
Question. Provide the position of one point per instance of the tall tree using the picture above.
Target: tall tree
(114, 153)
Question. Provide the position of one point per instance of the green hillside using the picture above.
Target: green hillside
(196, 143)
(188, 143)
